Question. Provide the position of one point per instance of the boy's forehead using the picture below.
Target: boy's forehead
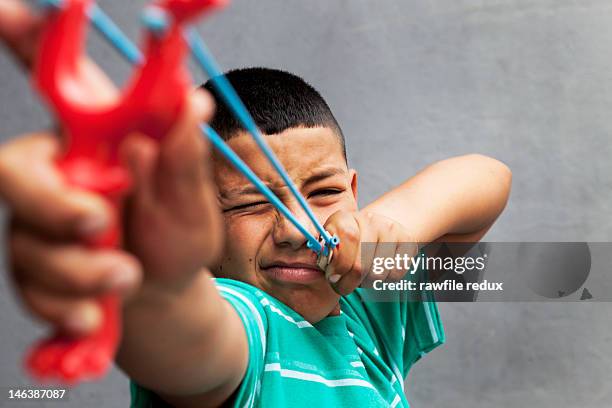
(302, 151)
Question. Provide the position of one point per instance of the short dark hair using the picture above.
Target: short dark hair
(277, 100)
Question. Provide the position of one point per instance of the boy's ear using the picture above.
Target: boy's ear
(353, 177)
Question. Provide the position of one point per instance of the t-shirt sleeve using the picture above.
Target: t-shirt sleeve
(243, 299)
(404, 326)
(422, 328)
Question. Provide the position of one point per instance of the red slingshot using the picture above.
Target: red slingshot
(149, 104)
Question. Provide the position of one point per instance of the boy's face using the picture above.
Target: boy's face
(262, 247)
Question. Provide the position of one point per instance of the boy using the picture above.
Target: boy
(273, 329)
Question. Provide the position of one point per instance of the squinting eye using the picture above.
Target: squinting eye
(325, 192)
(249, 205)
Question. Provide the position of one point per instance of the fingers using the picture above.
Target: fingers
(365, 237)
(369, 244)
(37, 194)
(405, 247)
(72, 270)
(19, 29)
(60, 283)
(77, 316)
(344, 272)
(393, 243)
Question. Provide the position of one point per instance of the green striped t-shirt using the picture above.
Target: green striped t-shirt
(356, 359)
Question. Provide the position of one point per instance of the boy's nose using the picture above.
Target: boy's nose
(285, 234)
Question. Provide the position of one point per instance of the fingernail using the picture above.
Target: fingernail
(122, 277)
(334, 278)
(84, 319)
(329, 271)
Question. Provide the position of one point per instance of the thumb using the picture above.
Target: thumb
(139, 153)
(183, 165)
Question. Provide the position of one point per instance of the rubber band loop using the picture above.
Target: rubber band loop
(155, 19)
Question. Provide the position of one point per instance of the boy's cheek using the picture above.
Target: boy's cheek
(247, 230)
(243, 238)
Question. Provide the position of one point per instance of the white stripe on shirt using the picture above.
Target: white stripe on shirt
(301, 324)
(253, 309)
(299, 375)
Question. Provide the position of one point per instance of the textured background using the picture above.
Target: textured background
(411, 82)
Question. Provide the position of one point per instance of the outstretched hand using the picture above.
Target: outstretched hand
(172, 225)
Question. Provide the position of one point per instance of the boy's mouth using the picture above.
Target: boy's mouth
(295, 272)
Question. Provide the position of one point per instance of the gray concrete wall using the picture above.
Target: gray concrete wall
(411, 82)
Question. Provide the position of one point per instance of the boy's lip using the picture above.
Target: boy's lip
(293, 272)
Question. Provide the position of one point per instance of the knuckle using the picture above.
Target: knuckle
(330, 223)
(16, 154)
(336, 218)
(358, 270)
(351, 233)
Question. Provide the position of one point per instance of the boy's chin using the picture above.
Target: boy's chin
(313, 306)
(314, 314)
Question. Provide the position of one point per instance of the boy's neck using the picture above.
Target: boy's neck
(336, 311)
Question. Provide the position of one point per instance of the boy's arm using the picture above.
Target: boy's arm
(181, 339)
(184, 342)
(456, 199)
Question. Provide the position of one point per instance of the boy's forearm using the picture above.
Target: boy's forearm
(182, 339)
(457, 197)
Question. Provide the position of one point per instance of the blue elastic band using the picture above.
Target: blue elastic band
(107, 27)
